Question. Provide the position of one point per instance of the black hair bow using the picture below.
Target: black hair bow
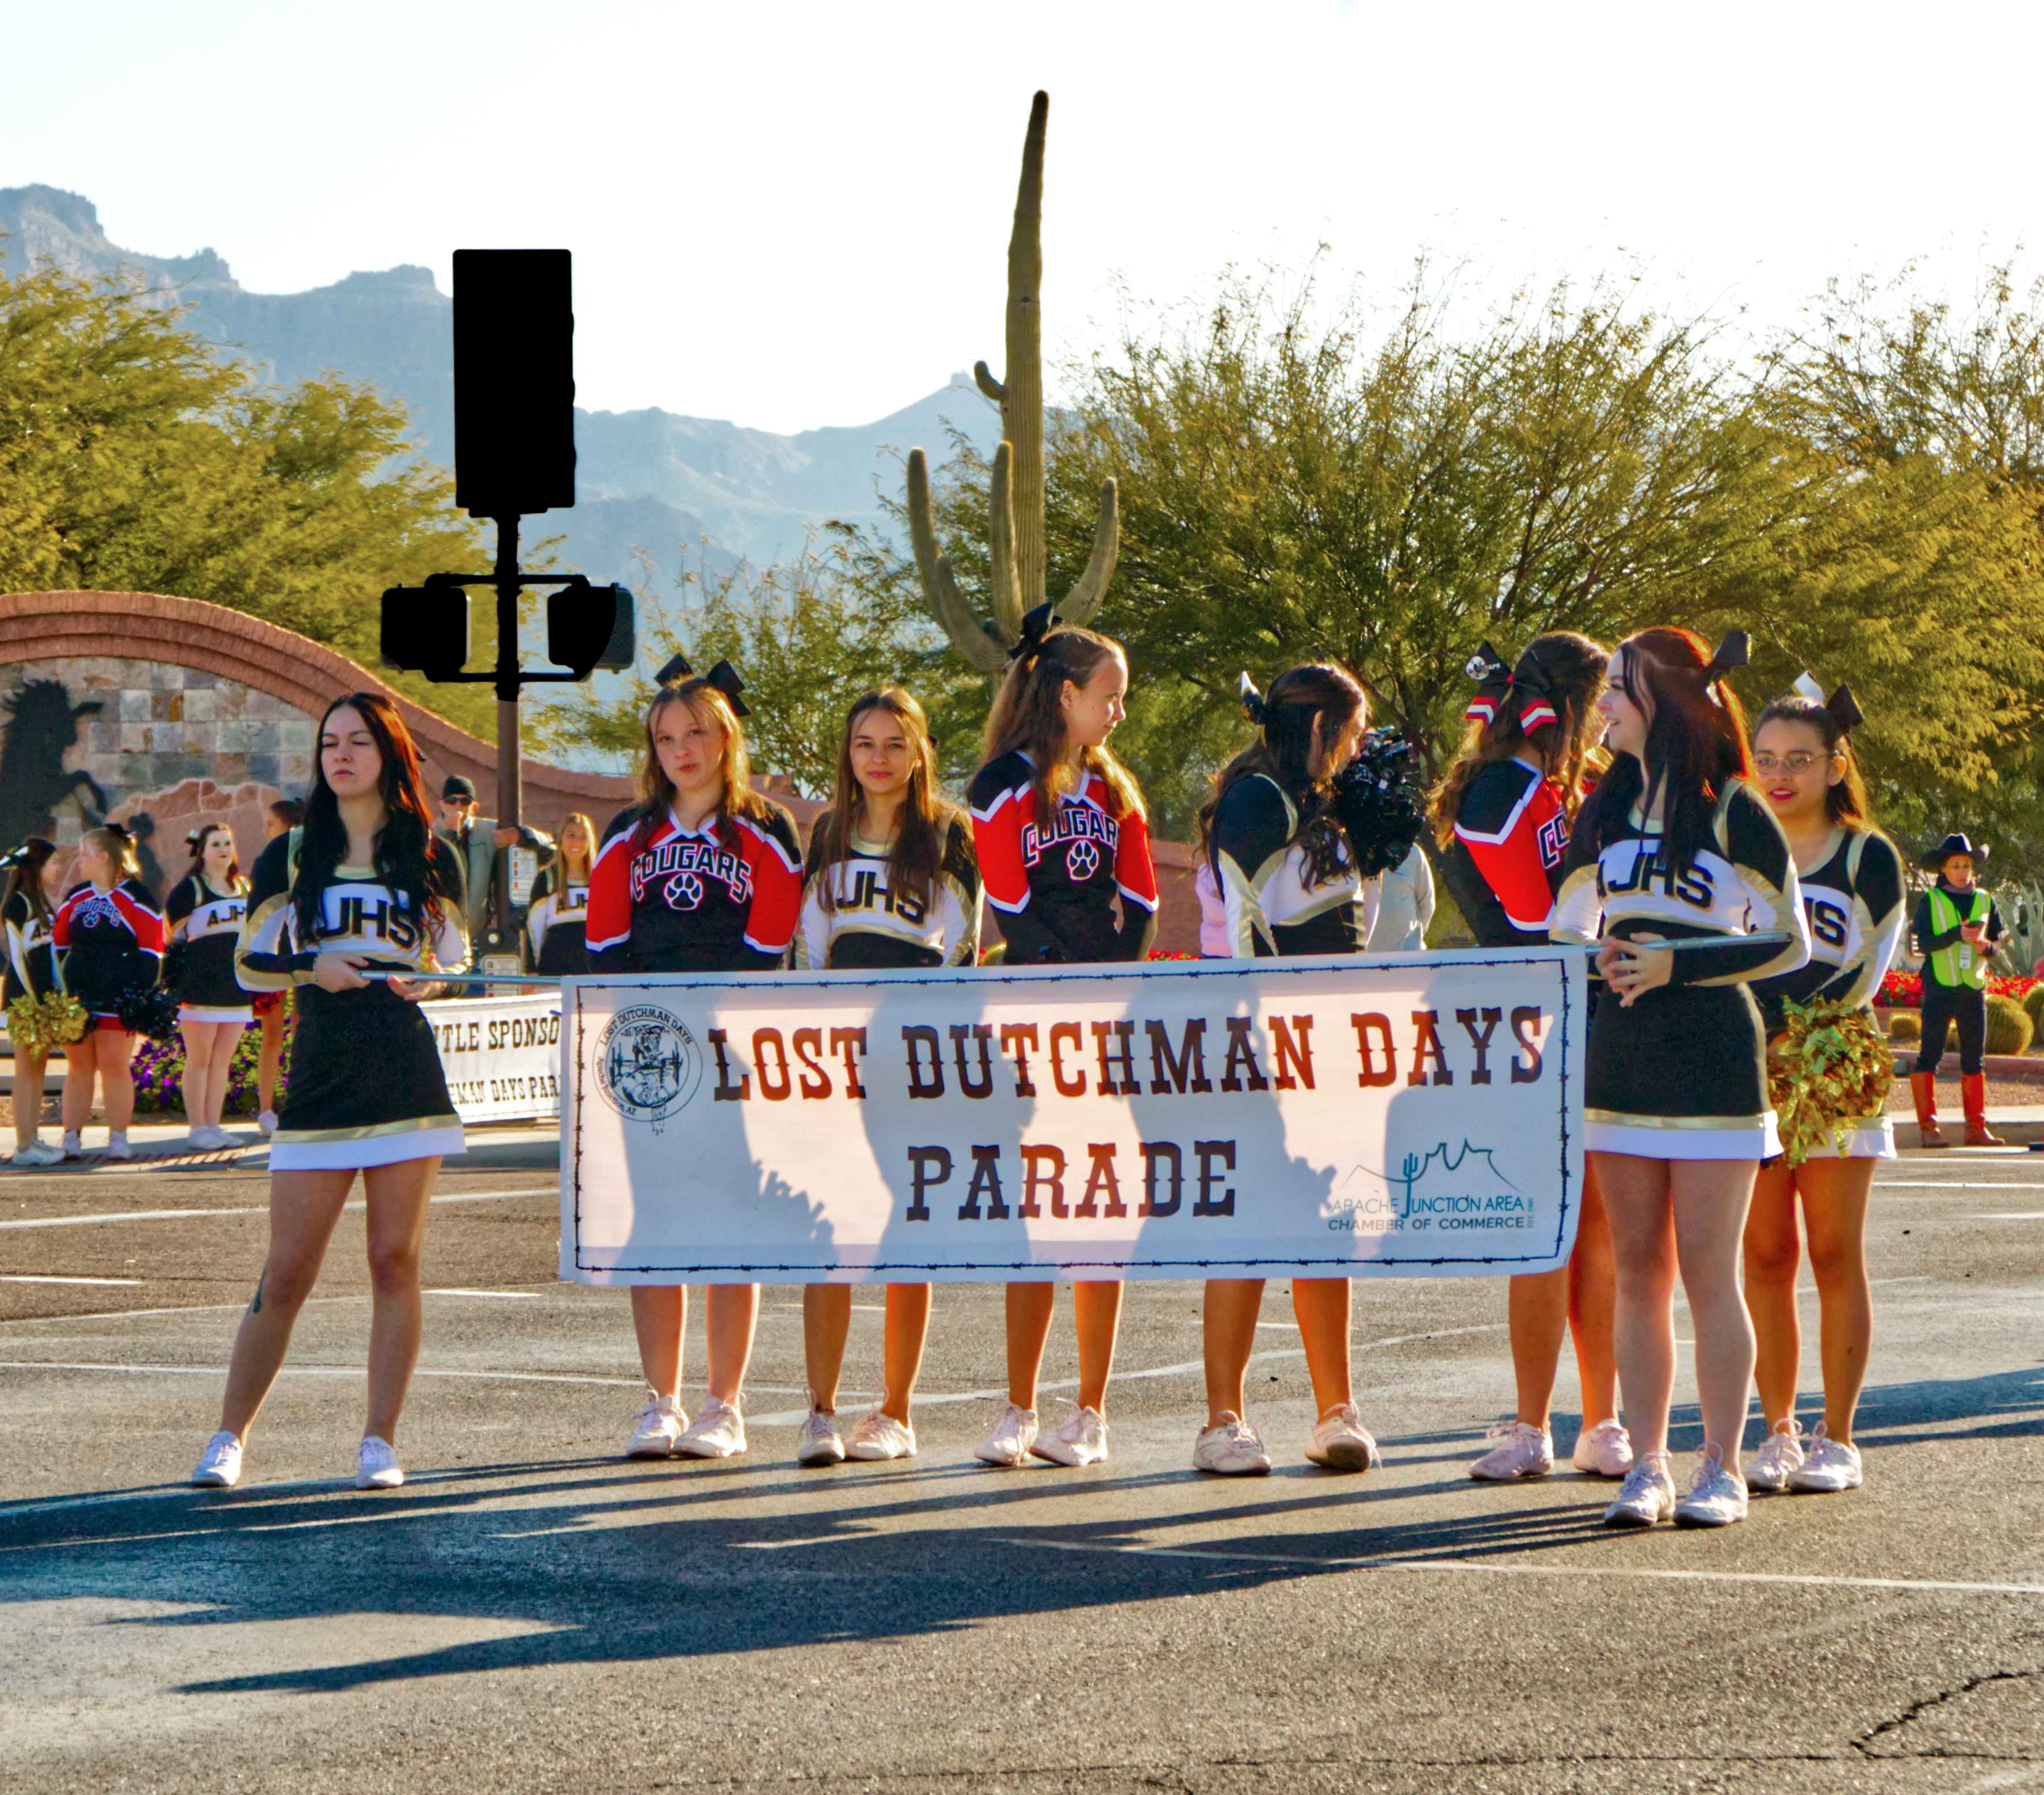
(1732, 654)
(1037, 625)
(724, 676)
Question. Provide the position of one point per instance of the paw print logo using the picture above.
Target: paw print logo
(1082, 861)
(684, 891)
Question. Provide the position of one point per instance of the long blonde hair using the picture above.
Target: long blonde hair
(1029, 714)
(918, 852)
(575, 819)
(118, 846)
(656, 791)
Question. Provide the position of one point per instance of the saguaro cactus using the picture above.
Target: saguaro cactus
(1015, 523)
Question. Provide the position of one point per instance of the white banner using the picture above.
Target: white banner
(501, 1055)
(1413, 1115)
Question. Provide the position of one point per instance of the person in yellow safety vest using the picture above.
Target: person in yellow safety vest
(1955, 928)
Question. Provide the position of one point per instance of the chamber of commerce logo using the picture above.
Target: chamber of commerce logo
(1451, 1189)
(647, 1063)
(1082, 861)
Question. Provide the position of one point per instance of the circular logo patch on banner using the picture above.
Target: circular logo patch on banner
(647, 1063)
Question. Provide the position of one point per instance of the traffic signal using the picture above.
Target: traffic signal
(425, 630)
(514, 382)
(589, 627)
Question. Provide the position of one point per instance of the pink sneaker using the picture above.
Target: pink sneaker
(1522, 1450)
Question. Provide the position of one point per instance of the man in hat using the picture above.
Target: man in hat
(483, 845)
(1954, 929)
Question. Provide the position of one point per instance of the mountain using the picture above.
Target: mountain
(647, 483)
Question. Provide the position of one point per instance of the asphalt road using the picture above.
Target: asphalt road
(531, 1612)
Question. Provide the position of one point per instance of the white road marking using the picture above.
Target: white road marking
(1958, 1184)
(1478, 1568)
(24, 1278)
(422, 1371)
(520, 1296)
(2010, 1215)
(256, 1210)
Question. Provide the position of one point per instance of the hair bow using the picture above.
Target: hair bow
(1037, 625)
(674, 672)
(1732, 654)
(1252, 701)
(724, 676)
(1494, 685)
(1844, 708)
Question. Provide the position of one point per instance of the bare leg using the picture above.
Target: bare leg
(1227, 1329)
(1536, 1307)
(1710, 1198)
(194, 1086)
(659, 1312)
(1322, 1307)
(1097, 1312)
(1029, 1307)
(304, 1207)
(224, 1046)
(1642, 1239)
(734, 1313)
(1591, 1298)
(1772, 1253)
(28, 1098)
(826, 1322)
(116, 1078)
(397, 1197)
(81, 1066)
(906, 1327)
(1834, 1213)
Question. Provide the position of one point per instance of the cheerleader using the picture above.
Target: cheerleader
(1501, 815)
(1852, 885)
(890, 882)
(273, 1008)
(355, 912)
(1061, 833)
(702, 875)
(1288, 884)
(107, 939)
(1675, 844)
(34, 879)
(205, 914)
(558, 923)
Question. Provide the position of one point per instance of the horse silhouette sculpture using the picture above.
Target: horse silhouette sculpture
(41, 729)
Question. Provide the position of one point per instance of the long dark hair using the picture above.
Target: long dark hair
(196, 841)
(708, 704)
(926, 819)
(1846, 801)
(404, 857)
(1695, 742)
(1566, 670)
(25, 874)
(1306, 707)
(1029, 714)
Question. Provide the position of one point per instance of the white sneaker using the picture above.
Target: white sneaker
(266, 1123)
(1646, 1496)
(1230, 1449)
(1010, 1439)
(1831, 1466)
(1079, 1439)
(1522, 1450)
(879, 1436)
(38, 1153)
(1342, 1442)
(1604, 1450)
(1717, 1494)
(818, 1443)
(659, 1426)
(1780, 1454)
(219, 1466)
(376, 1466)
(117, 1148)
(220, 1140)
(73, 1147)
(718, 1431)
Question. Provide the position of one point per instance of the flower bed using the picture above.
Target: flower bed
(159, 1070)
(1904, 990)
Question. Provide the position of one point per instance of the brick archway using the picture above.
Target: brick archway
(43, 626)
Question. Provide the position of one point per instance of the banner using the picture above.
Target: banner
(1412, 1115)
(502, 1055)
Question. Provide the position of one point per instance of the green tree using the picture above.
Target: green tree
(133, 458)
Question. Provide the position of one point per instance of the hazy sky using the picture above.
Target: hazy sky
(795, 214)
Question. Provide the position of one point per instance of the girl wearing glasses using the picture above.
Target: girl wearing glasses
(1852, 885)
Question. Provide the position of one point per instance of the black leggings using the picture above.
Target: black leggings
(1944, 1004)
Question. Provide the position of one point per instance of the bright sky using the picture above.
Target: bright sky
(795, 214)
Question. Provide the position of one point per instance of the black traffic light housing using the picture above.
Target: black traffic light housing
(425, 627)
(514, 450)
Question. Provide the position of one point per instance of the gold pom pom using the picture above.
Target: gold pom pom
(1829, 1070)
